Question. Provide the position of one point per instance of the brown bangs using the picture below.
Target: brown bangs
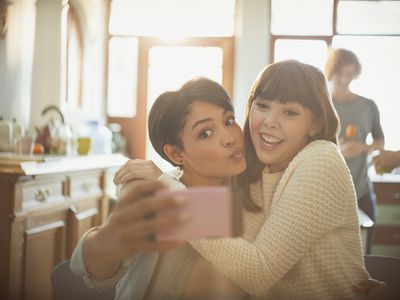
(288, 83)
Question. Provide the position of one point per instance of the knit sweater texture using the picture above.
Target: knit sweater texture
(305, 243)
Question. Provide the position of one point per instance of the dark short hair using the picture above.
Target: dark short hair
(339, 57)
(167, 116)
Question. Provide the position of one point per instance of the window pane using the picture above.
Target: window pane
(122, 77)
(313, 52)
(379, 79)
(172, 18)
(368, 17)
(307, 17)
(170, 67)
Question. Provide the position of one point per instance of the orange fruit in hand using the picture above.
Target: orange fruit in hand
(351, 131)
(38, 148)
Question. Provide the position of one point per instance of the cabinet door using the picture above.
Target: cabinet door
(387, 192)
(81, 217)
(44, 247)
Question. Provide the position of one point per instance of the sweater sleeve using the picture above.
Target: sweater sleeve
(311, 204)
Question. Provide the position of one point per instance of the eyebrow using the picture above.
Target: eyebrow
(206, 120)
(201, 122)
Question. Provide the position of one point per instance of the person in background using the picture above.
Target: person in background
(386, 161)
(359, 117)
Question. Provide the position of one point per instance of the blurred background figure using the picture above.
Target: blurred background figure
(359, 117)
(386, 161)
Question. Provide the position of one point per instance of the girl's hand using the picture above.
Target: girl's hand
(373, 289)
(137, 169)
(135, 222)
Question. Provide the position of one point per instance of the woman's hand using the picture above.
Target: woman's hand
(137, 169)
(373, 289)
(133, 228)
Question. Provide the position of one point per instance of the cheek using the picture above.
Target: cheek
(202, 154)
(255, 120)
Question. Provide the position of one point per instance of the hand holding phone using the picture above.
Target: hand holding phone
(213, 213)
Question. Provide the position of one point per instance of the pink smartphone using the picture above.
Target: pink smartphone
(213, 211)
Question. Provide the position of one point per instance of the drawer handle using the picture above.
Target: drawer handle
(86, 187)
(42, 195)
(396, 196)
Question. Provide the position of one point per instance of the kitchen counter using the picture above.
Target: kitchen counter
(48, 164)
(46, 204)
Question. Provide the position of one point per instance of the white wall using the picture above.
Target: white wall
(46, 73)
(48, 82)
(16, 57)
(252, 50)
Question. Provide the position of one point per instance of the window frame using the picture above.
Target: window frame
(327, 38)
(134, 128)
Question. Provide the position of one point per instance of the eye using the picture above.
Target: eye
(291, 113)
(230, 121)
(261, 105)
(205, 134)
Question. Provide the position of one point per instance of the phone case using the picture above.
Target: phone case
(213, 211)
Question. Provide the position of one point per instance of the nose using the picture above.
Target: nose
(271, 119)
(228, 138)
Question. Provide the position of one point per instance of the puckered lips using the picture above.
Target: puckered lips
(270, 142)
(237, 154)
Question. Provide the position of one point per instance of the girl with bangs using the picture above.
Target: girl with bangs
(301, 236)
(301, 233)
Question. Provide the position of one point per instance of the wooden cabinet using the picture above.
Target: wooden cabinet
(387, 235)
(43, 214)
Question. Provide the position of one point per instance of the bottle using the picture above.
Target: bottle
(101, 138)
(16, 128)
(5, 135)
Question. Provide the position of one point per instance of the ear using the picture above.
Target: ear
(174, 154)
(315, 128)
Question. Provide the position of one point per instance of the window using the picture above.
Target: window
(187, 62)
(368, 17)
(122, 77)
(369, 28)
(154, 50)
(306, 17)
(172, 18)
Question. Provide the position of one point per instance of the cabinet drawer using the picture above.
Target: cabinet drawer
(388, 214)
(387, 192)
(85, 185)
(389, 235)
(37, 193)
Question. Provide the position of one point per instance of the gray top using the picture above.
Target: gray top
(364, 114)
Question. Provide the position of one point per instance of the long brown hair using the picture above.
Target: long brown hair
(287, 81)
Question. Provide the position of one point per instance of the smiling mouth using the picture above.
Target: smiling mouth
(269, 141)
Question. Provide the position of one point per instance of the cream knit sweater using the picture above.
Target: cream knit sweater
(305, 244)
